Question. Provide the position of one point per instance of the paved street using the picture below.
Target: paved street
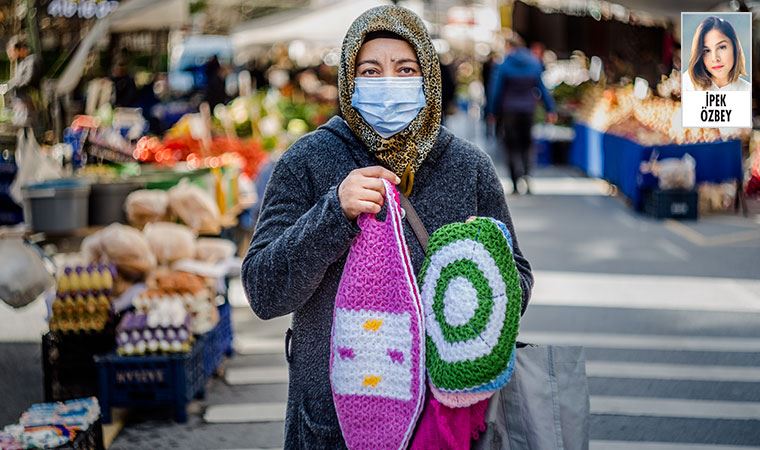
(669, 314)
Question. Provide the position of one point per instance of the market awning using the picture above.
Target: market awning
(325, 25)
(166, 14)
(671, 8)
(131, 15)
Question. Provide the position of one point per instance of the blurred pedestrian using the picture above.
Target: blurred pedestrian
(448, 89)
(514, 91)
(216, 93)
(390, 98)
(125, 93)
(25, 87)
(538, 49)
(486, 70)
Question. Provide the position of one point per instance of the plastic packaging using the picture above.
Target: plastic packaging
(24, 276)
(195, 208)
(146, 206)
(213, 250)
(170, 241)
(123, 246)
(672, 173)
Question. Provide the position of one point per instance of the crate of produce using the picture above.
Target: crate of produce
(170, 380)
(218, 341)
(672, 204)
(68, 363)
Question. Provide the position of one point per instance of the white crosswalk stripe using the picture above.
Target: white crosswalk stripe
(252, 345)
(638, 445)
(256, 375)
(672, 371)
(658, 407)
(643, 342)
(245, 413)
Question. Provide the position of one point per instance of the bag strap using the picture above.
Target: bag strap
(414, 220)
(411, 214)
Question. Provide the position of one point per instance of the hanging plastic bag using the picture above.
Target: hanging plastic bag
(24, 276)
(33, 165)
(376, 352)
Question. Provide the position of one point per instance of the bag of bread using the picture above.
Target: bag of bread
(195, 208)
(124, 246)
(146, 206)
(170, 241)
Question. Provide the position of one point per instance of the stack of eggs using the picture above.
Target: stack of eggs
(159, 324)
(82, 303)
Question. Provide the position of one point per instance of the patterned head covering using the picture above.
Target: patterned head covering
(403, 153)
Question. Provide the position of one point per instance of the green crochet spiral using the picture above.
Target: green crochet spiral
(471, 293)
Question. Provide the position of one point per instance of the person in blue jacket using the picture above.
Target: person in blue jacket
(514, 91)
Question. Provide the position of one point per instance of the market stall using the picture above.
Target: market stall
(618, 133)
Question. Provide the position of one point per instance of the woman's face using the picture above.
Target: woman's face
(383, 57)
(718, 54)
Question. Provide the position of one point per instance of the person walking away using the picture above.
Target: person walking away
(24, 87)
(514, 91)
(215, 86)
(124, 87)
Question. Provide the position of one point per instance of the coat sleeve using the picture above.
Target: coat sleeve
(492, 203)
(546, 96)
(295, 243)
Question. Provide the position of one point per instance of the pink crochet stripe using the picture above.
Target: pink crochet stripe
(378, 291)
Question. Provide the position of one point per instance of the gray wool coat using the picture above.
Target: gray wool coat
(297, 254)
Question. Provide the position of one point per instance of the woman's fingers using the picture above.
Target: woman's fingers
(375, 184)
(363, 190)
(380, 172)
(363, 206)
(370, 195)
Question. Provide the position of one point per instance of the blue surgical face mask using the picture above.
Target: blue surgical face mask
(388, 104)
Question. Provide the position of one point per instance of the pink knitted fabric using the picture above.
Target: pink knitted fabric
(444, 428)
(460, 399)
(377, 367)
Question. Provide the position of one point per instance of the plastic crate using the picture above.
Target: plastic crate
(91, 439)
(151, 381)
(671, 204)
(218, 341)
(69, 366)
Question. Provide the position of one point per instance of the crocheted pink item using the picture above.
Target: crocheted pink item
(444, 428)
(377, 367)
(460, 399)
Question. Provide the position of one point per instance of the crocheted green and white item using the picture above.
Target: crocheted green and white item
(471, 294)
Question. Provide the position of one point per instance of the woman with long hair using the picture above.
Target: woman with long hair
(717, 59)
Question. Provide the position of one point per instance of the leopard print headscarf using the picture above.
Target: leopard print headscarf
(404, 152)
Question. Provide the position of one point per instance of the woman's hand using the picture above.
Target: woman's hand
(363, 191)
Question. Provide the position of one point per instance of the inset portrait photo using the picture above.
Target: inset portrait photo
(716, 51)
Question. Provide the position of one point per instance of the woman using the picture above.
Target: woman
(717, 59)
(390, 99)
